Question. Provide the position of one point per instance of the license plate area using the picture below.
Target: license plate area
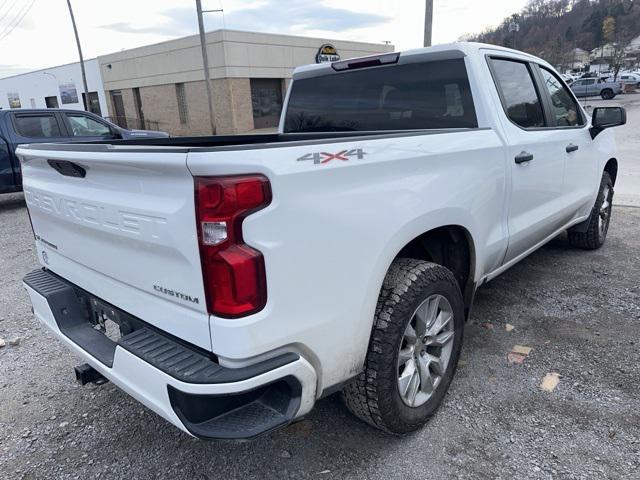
(108, 320)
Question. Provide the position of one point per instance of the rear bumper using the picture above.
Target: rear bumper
(179, 382)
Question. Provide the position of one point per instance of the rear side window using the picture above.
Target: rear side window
(425, 95)
(37, 126)
(565, 108)
(518, 91)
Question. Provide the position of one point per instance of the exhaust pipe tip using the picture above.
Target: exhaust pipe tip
(85, 373)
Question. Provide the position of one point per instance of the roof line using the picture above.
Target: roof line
(47, 68)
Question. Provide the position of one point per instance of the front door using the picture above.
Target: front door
(572, 132)
(584, 87)
(92, 103)
(537, 168)
(119, 117)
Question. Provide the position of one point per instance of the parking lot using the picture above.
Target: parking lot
(578, 311)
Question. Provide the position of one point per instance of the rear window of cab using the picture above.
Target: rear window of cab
(426, 95)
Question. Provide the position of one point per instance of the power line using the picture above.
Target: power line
(11, 28)
(3, 4)
(8, 9)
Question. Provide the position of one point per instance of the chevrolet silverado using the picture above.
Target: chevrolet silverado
(230, 282)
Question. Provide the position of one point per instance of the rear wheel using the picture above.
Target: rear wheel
(607, 94)
(414, 348)
(596, 233)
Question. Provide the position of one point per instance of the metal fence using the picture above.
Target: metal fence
(135, 123)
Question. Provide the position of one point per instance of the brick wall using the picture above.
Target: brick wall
(232, 107)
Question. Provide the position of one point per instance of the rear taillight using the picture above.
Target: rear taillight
(233, 272)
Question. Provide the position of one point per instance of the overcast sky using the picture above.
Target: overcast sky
(37, 33)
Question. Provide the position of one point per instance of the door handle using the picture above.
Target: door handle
(572, 148)
(523, 157)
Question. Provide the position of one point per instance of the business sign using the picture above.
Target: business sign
(327, 53)
(68, 93)
(14, 100)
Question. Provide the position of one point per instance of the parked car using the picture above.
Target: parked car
(589, 87)
(230, 282)
(631, 79)
(52, 125)
(568, 79)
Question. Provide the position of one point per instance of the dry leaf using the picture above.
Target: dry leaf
(550, 382)
(521, 349)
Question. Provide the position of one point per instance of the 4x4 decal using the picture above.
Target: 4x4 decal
(324, 157)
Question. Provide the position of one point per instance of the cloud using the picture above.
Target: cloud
(297, 16)
(7, 70)
(125, 27)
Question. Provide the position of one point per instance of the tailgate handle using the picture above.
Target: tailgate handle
(68, 169)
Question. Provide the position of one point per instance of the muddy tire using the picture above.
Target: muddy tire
(599, 219)
(414, 348)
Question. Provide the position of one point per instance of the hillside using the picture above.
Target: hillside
(550, 28)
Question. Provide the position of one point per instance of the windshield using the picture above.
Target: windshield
(424, 95)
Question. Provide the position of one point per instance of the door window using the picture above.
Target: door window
(565, 108)
(37, 126)
(83, 126)
(519, 95)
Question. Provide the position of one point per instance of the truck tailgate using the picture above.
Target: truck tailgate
(120, 223)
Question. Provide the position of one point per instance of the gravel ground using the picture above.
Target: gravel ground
(578, 311)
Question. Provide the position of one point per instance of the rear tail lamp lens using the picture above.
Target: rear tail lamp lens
(233, 272)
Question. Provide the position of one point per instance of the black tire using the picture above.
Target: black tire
(374, 396)
(607, 94)
(595, 236)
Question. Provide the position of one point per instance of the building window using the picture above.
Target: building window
(266, 100)
(181, 95)
(137, 100)
(51, 102)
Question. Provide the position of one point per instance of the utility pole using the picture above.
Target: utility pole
(85, 100)
(428, 22)
(205, 62)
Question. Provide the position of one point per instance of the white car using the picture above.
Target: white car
(228, 283)
(632, 79)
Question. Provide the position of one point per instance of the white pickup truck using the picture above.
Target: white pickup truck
(229, 282)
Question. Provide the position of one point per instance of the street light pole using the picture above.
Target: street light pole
(84, 74)
(205, 63)
(428, 22)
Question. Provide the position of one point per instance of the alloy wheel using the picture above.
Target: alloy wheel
(425, 350)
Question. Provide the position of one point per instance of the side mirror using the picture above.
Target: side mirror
(607, 117)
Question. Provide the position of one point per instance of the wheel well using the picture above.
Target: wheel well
(612, 169)
(452, 247)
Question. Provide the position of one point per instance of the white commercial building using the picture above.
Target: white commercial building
(162, 86)
(55, 87)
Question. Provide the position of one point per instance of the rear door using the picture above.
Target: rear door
(120, 223)
(35, 127)
(537, 158)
